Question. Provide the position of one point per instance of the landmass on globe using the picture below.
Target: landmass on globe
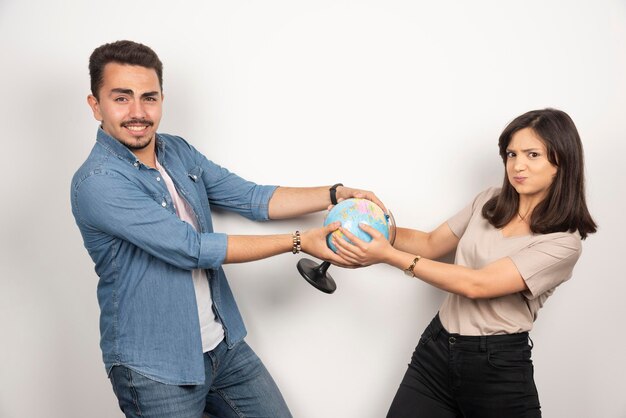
(350, 213)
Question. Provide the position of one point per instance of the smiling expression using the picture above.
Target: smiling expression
(129, 106)
(528, 169)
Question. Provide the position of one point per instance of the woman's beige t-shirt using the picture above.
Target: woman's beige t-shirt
(543, 260)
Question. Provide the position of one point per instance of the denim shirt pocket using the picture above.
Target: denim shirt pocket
(195, 174)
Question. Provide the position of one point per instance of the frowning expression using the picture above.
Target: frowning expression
(528, 169)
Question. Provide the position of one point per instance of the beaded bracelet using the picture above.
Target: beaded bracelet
(297, 242)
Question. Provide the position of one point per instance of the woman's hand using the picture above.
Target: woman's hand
(363, 253)
(313, 242)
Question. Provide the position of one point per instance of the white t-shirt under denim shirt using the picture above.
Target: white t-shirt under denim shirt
(212, 332)
(543, 260)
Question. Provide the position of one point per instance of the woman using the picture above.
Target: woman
(514, 246)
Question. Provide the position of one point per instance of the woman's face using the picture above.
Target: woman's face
(527, 166)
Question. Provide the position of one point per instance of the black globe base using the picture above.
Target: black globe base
(316, 275)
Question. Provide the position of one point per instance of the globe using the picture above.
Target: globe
(350, 213)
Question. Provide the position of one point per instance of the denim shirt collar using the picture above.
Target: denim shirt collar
(121, 151)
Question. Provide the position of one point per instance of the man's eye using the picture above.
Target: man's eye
(151, 99)
(121, 99)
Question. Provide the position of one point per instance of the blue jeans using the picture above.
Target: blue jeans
(455, 376)
(237, 385)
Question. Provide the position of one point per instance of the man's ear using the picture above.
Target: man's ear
(95, 107)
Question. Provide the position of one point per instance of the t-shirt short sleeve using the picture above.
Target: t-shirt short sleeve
(548, 263)
(459, 222)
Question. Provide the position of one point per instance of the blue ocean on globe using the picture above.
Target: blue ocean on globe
(350, 213)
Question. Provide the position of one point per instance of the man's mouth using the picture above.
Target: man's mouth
(137, 125)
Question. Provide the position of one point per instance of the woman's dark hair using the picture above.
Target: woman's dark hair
(121, 52)
(564, 208)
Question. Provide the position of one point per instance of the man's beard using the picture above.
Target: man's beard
(138, 145)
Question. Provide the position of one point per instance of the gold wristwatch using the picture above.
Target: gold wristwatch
(409, 270)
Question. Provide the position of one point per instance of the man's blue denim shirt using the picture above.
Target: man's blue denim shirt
(144, 253)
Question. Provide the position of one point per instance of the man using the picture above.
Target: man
(171, 333)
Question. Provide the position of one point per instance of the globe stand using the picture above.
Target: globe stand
(316, 275)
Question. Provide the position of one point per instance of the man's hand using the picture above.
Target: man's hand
(314, 243)
(344, 193)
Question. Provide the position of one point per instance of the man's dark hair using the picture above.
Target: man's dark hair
(121, 52)
(564, 207)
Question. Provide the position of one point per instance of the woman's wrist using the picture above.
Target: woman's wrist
(390, 255)
(401, 259)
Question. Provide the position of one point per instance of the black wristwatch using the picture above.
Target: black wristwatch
(333, 193)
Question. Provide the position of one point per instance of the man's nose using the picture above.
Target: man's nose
(137, 110)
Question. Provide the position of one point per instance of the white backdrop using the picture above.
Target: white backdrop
(405, 98)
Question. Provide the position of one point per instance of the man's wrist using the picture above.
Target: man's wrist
(333, 193)
(297, 242)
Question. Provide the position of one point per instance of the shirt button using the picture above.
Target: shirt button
(452, 340)
(136, 164)
(158, 178)
(194, 177)
(163, 204)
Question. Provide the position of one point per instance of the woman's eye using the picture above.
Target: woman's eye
(510, 154)
(533, 154)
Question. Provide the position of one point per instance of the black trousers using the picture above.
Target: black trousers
(454, 376)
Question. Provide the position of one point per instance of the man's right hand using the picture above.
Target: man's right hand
(314, 243)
